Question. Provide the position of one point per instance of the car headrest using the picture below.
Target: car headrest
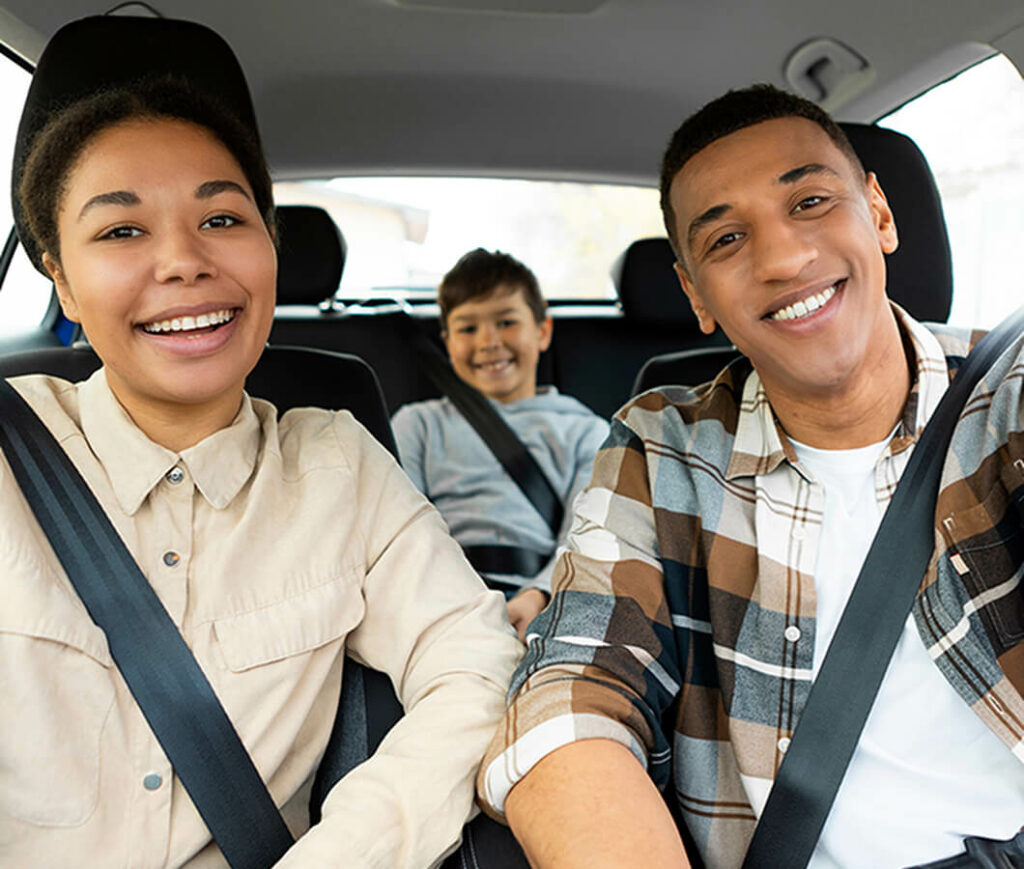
(648, 288)
(920, 272)
(100, 52)
(310, 255)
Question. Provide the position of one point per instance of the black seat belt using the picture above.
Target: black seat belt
(843, 693)
(173, 693)
(511, 452)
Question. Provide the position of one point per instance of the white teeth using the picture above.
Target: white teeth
(805, 307)
(184, 324)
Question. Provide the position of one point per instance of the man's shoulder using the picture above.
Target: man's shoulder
(713, 404)
(956, 341)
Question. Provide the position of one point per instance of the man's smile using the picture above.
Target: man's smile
(808, 305)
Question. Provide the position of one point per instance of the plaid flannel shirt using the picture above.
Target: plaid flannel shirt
(683, 624)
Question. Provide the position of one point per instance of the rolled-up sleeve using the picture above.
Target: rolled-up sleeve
(600, 661)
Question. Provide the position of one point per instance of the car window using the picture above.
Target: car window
(971, 129)
(403, 234)
(24, 294)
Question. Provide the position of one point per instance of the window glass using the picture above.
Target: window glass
(971, 129)
(403, 234)
(25, 294)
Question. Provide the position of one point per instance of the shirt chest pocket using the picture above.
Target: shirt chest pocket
(286, 630)
(56, 696)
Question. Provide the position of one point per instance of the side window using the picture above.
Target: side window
(971, 129)
(24, 293)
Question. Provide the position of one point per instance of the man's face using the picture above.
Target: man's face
(782, 245)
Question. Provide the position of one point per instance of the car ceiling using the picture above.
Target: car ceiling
(503, 87)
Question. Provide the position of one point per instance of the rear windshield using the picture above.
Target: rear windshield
(403, 234)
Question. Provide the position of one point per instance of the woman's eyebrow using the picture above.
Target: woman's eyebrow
(209, 189)
(115, 197)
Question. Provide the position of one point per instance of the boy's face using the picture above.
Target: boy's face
(494, 343)
(782, 244)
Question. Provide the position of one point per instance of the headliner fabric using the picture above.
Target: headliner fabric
(310, 256)
(94, 53)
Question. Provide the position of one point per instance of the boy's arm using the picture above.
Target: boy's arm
(410, 430)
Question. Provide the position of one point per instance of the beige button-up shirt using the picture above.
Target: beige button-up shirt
(275, 546)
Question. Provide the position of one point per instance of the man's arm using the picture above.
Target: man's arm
(591, 804)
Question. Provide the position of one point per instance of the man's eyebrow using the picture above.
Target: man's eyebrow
(114, 197)
(709, 216)
(794, 175)
(209, 189)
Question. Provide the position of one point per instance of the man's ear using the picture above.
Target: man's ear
(547, 328)
(885, 223)
(706, 321)
(60, 284)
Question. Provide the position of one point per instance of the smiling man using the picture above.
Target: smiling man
(715, 549)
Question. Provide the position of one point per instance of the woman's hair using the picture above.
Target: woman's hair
(69, 130)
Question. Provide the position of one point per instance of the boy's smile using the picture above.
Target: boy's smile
(494, 343)
(783, 242)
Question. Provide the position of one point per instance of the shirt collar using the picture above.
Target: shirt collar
(761, 445)
(219, 464)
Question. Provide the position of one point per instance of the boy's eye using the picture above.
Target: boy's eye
(220, 221)
(122, 232)
(466, 330)
(504, 324)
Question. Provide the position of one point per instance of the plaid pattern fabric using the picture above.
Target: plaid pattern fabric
(685, 604)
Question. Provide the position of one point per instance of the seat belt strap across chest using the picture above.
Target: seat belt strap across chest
(172, 691)
(511, 452)
(843, 693)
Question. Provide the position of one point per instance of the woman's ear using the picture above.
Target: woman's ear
(706, 321)
(60, 284)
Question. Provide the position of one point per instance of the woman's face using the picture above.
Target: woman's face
(168, 266)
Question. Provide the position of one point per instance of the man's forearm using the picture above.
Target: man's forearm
(591, 804)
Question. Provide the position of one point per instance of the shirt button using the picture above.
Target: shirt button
(799, 533)
(792, 633)
(783, 744)
(175, 475)
(171, 558)
(152, 781)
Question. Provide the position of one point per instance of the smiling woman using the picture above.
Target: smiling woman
(159, 224)
(271, 544)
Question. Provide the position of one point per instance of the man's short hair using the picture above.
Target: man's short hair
(479, 273)
(734, 111)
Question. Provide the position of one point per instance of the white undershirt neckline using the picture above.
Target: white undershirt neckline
(927, 772)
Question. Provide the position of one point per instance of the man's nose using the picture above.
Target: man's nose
(781, 251)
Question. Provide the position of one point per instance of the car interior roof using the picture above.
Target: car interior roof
(588, 91)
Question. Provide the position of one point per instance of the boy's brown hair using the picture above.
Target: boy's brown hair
(479, 273)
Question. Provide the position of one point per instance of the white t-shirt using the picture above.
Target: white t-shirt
(926, 772)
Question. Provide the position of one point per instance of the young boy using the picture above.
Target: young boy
(495, 325)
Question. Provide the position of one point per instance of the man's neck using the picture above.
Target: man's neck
(861, 413)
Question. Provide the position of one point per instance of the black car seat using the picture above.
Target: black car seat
(919, 272)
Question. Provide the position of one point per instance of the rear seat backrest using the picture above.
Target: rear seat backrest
(311, 255)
